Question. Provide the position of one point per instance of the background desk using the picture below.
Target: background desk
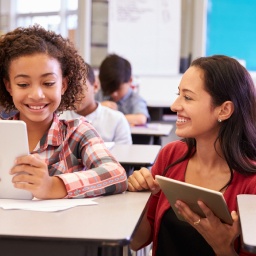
(159, 101)
(105, 229)
(247, 213)
(159, 110)
(141, 155)
(151, 130)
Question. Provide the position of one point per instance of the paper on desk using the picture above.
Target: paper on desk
(149, 126)
(110, 144)
(52, 205)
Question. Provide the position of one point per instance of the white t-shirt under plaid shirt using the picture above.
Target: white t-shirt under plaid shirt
(75, 153)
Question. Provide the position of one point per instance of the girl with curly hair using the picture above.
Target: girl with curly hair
(42, 74)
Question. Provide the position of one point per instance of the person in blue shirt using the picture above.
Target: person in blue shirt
(111, 125)
(5, 115)
(115, 76)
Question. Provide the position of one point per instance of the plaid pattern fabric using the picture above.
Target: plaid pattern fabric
(76, 154)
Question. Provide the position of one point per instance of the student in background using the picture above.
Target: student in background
(216, 110)
(110, 124)
(115, 75)
(41, 75)
(5, 115)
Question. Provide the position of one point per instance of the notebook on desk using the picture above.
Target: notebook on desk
(13, 143)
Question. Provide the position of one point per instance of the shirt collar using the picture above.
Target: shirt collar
(127, 95)
(54, 135)
(60, 130)
(92, 116)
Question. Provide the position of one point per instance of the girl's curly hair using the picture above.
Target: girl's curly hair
(33, 40)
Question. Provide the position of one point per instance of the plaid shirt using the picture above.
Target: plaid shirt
(76, 154)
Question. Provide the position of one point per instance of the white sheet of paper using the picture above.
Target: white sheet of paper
(44, 205)
(110, 144)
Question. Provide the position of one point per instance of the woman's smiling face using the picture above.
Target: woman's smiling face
(196, 116)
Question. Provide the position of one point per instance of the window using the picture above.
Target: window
(58, 15)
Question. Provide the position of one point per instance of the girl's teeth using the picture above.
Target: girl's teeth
(36, 107)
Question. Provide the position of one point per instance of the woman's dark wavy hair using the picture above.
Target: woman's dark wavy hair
(33, 40)
(225, 79)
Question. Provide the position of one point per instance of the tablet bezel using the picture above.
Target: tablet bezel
(190, 194)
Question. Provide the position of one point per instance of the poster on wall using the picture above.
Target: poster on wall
(237, 30)
(147, 33)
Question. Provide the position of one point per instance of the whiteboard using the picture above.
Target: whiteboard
(147, 33)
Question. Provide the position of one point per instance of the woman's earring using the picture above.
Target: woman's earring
(219, 120)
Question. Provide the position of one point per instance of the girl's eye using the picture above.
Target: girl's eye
(22, 85)
(49, 84)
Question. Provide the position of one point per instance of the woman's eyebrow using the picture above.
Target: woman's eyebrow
(187, 90)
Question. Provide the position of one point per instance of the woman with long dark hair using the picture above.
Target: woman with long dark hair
(216, 117)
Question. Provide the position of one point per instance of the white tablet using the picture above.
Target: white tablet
(177, 190)
(13, 143)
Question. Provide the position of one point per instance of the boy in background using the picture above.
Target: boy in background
(111, 125)
(115, 75)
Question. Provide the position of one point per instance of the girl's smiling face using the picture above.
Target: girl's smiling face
(36, 86)
(196, 115)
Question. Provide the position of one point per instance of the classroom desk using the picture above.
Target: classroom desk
(152, 130)
(156, 109)
(138, 155)
(159, 92)
(159, 103)
(247, 213)
(161, 113)
(105, 229)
